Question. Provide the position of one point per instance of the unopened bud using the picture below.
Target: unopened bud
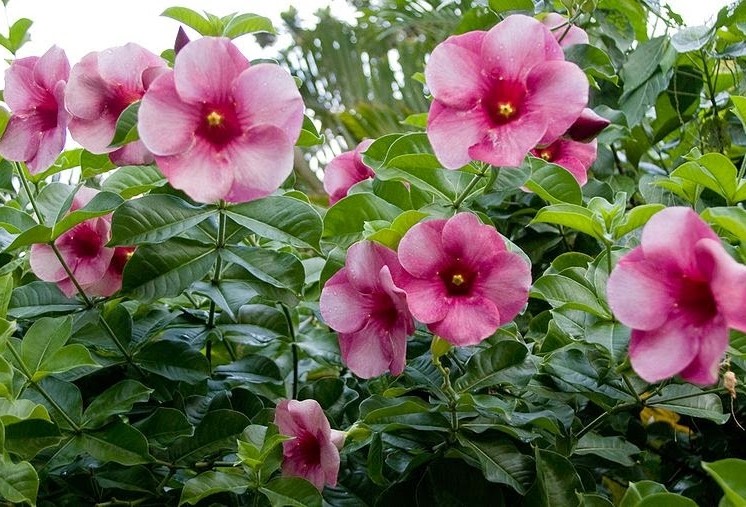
(729, 382)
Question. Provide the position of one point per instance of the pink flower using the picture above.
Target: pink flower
(313, 453)
(587, 126)
(498, 94)
(345, 170)
(576, 157)
(97, 268)
(566, 34)
(679, 291)
(34, 90)
(101, 86)
(364, 305)
(231, 126)
(464, 284)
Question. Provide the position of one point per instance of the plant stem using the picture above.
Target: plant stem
(601, 418)
(608, 255)
(473, 183)
(219, 244)
(632, 389)
(40, 389)
(450, 393)
(714, 390)
(293, 349)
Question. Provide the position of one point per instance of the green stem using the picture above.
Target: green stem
(601, 418)
(608, 255)
(632, 389)
(40, 389)
(714, 390)
(473, 183)
(450, 393)
(219, 244)
(293, 349)
(119, 344)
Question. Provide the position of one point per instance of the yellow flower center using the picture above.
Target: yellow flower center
(214, 119)
(546, 155)
(457, 279)
(505, 109)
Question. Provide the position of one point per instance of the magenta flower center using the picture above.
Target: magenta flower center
(47, 112)
(309, 449)
(697, 301)
(458, 281)
(503, 101)
(219, 124)
(120, 99)
(84, 241)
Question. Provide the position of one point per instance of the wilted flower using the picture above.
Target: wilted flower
(344, 170)
(101, 86)
(363, 303)
(498, 94)
(680, 292)
(576, 157)
(313, 452)
(565, 32)
(231, 126)
(34, 90)
(97, 268)
(464, 284)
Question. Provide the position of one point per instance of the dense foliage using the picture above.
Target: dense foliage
(558, 319)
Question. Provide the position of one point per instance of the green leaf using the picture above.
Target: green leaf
(210, 483)
(15, 221)
(388, 414)
(666, 500)
(174, 360)
(739, 108)
(418, 120)
(614, 449)
(636, 491)
(117, 399)
(132, 180)
(556, 480)
(36, 234)
(6, 292)
(119, 442)
(594, 61)
(92, 164)
(280, 269)
(215, 433)
(102, 204)
(19, 482)
(126, 127)
(27, 438)
(154, 219)
(54, 201)
(563, 292)
(501, 6)
(166, 269)
(247, 23)
(345, 221)
(15, 411)
(164, 425)
(714, 171)
(280, 218)
(45, 337)
(573, 216)
(692, 38)
(40, 298)
(553, 183)
(65, 359)
(291, 491)
(504, 362)
(636, 218)
(647, 59)
(613, 336)
(637, 102)
(309, 134)
(501, 461)
(730, 474)
(732, 219)
(686, 399)
(191, 19)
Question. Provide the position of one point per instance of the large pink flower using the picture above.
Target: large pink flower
(363, 303)
(97, 268)
(344, 170)
(101, 86)
(574, 156)
(34, 90)
(679, 291)
(313, 452)
(566, 33)
(231, 127)
(463, 282)
(498, 94)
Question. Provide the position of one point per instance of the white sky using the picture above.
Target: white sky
(81, 26)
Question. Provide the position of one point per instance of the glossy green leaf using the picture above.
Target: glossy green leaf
(117, 399)
(614, 448)
(730, 474)
(556, 480)
(501, 461)
(26, 438)
(191, 19)
(280, 269)
(119, 442)
(563, 292)
(164, 425)
(102, 204)
(504, 362)
(174, 360)
(636, 491)
(216, 432)
(126, 126)
(594, 61)
(132, 180)
(291, 491)
(686, 399)
(19, 482)
(388, 414)
(714, 171)
(553, 183)
(501, 6)
(210, 483)
(692, 38)
(636, 218)
(45, 337)
(573, 216)
(666, 500)
(40, 298)
(732, 219)
(65, 359)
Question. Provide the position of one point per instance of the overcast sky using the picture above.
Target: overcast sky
(81, 26)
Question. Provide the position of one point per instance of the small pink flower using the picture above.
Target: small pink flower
(364, 305)
(587, 126)
(680, 292)
(500, 93)
(101, 86)
(313, 453)
(97, 268)
(232, 126)
(344, 170)
(566, 34)
(34, 90)
(464, 284)
(576, 157)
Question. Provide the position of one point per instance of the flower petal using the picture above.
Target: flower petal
(21, 91)
(95, 135)
(727, 281)
(565, 32)
(161, 105)
(506, 284)
(421, 249)
(705, 368)
(45, 264)
(266, 94)
(468, 321)
(587, 126)
(373, 350)
(364, 262)
(260, 161)
(205, 69)
(123, 66)
(52, 68)
(454, 70)
(427, 299)
(475, 244)
(343, 308)
(507, 145)
(453, 131)
(21, 138)
(134, 153)
(663, 352)
(85, 94)
(340, 174)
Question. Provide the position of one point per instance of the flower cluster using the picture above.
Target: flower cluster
(455, 276)
(97, 268)
(500, 94)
